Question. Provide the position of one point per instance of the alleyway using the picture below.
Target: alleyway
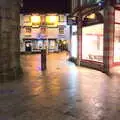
(62, 92)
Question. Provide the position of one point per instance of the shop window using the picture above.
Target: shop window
(92, 43)
(37, 45)
(74, 42)
(117, 37)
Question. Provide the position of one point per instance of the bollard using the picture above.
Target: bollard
(43, 59)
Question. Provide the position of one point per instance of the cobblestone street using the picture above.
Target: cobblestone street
(62, 92)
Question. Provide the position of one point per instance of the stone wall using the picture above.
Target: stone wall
(9, 39)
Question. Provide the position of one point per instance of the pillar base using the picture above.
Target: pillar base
(11, 74)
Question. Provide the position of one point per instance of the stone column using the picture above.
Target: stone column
(108, 38)
(79, 39)
(9, 39)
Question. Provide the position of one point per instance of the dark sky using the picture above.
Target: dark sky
(46, 6)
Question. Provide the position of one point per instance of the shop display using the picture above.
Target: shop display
(92, 43)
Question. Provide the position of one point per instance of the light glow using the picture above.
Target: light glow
(35, 19)
(52, 20)
(117, 43)
(92, 16)
(74, 42)
(92, 43)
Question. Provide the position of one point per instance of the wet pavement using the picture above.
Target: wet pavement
(62, 92)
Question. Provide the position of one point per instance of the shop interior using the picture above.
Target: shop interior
(35, 45)
(117, 37)
(92, 42)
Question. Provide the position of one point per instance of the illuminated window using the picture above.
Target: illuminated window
(117, 37)
(92, 43)
(35, 20)
(52, 20)
(74, 43)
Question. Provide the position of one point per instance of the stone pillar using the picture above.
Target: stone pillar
(108, 38)
(79, 38)
(9, 39)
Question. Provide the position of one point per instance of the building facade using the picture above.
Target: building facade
(9, 38)
(98, 33)
(39, 31)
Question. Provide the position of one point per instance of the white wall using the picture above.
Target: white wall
(52, 32)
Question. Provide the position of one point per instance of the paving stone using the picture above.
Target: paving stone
(70, 93)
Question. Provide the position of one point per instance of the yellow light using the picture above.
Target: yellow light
(64, 42)
(35, 19)
(92, 16)
(51, 19)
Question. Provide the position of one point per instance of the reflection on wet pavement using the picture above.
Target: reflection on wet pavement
(62, 92)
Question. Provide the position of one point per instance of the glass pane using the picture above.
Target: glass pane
(92, 43)
(117, 43)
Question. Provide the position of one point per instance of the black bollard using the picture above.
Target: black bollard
(43, 59)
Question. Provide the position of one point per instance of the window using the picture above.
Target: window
(92, 43)
(117, 37)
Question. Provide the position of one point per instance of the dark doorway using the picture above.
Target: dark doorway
(28, 46)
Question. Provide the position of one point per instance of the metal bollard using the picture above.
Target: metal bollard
(43, 59)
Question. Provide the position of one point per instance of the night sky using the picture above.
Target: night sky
(46, 6)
